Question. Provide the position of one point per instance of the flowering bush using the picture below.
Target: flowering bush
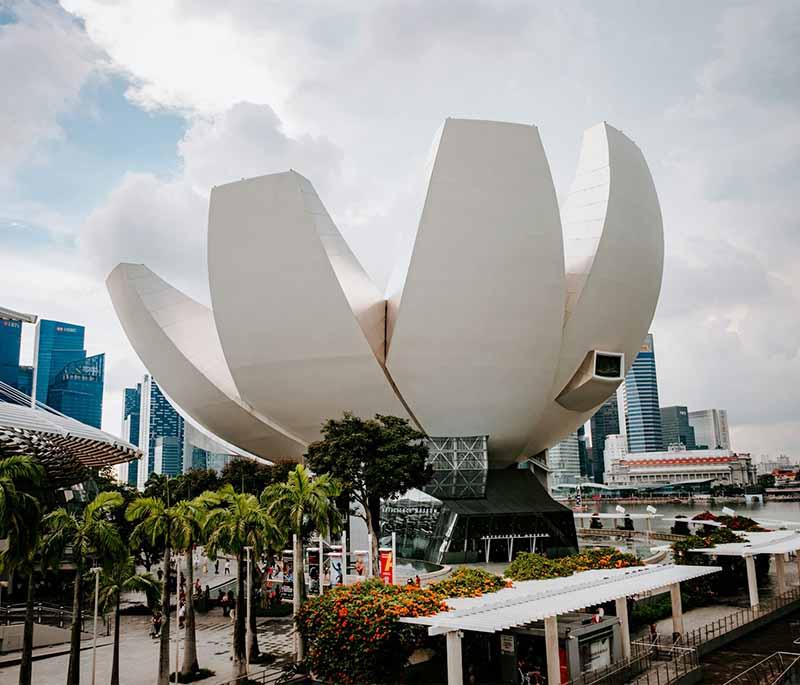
(468, 582)
(529, 566)
(352, 632)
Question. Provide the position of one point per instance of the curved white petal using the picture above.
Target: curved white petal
(614, 255)
(476, 323)
(300, 322)
(176, 340)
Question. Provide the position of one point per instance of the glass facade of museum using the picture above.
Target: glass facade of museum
(446, 530)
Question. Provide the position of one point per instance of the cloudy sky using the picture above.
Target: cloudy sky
(119, 116)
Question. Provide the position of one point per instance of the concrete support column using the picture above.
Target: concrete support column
(797, 561)
(677, 608)
(624, 629)
(455, 673)
(551, 650)
(780, 572)
(752, 585)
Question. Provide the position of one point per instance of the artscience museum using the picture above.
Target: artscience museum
(507, 321)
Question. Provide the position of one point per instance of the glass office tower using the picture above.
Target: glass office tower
(130, 428)
(10, 341)
(158, 419)
(57, 344)
(676, 428)
(77, 390)
(642, 412)
(605, 422)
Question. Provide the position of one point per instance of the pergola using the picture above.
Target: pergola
(66, 448)
(777, 543)
(545, 600)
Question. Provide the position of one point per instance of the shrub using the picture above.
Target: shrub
(529, 566)
(468, 582)
(353, 634)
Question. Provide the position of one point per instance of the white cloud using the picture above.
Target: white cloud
(46, 58)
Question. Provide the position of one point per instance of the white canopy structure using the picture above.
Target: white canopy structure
(777, 543)
(536, 600)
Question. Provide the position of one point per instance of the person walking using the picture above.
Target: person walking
(216, 567)
(227, 567)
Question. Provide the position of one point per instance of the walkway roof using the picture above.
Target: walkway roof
(533, 600)
(773, 542)
(64, 446)
(611, 515)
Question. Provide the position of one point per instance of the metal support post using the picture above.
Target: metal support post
(96, 571)
(752, 584)
(677, 608)
(551, 649)
(455, 673)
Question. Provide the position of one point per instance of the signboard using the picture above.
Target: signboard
(507, 644)
(386, 566)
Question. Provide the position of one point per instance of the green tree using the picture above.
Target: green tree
(373, 459)
(190, 518)
(303, 504)
(238, 522)
(157, 524)
(114, 580)
(248, 475)
(21, 479)
(90, 534)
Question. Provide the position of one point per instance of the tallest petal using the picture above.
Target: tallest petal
(475, 325)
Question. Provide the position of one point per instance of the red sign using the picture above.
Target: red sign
(386, 566)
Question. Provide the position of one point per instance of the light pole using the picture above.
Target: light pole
(249, 635)
(96, 571)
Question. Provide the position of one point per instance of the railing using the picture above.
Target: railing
(621, 532)
(651, 663)
(723, 625)
(775, 669)
(48, 614)
(271, 677)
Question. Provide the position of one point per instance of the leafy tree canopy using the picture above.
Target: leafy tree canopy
(373, 459)
(251, 477)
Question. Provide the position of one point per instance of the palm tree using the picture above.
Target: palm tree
(119, 578)
(241, 521)
(91, 534)
(20, 516)
(190, 517)
(303, 504)
(157, 523)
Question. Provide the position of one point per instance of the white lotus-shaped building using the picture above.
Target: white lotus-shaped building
(504, 317)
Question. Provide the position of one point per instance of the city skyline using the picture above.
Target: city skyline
(713, 122)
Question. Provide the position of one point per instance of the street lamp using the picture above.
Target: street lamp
(249, 635)
(96, 571)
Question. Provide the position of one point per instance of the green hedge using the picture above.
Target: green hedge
(530, 566)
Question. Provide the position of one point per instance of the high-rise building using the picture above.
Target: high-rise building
(605, 422)
(563, 460)
(711, 428)
(614, 451)
(168, 455)
(157, 419)
(131, 408)
(675, 427)
(584, 455)
(57, 344)
(642, 413)
(25, 380)
(77, 390)
(10, 341)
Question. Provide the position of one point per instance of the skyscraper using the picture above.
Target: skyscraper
(130, 430)
(10, 340)
(77, 390)
(675, 427)
(168, 455)
(605, 422)
(157, 419)
(642, 413)
(563, 460)
(711, 428)
(57, 344)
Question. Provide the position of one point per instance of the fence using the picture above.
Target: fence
(778, 668)
(270, 677)
(49, 615)
(723, 625)
(651, 663)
